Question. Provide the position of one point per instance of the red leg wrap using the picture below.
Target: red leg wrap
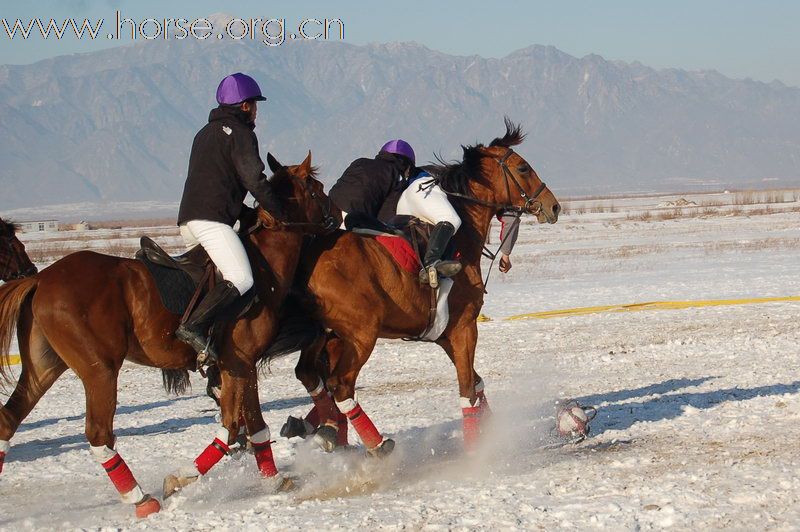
(212, 454)
(326, 409)
(341, 435)
(313, 417)
(264, 459)
(120, 475)
(2, 459)
(472, 418)
(364, 427)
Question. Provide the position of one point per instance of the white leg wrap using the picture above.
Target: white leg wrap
(479, 387)
(347, 405)
(261, 436)
(133, 496)
(464, 402)
(103, 454)
(222, 435)
(4, 446)
(318, 389)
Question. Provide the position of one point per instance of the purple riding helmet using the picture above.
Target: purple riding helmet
(237, 88)
(400, 147)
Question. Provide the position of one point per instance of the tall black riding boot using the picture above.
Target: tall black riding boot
(195, 331)
(434, 265)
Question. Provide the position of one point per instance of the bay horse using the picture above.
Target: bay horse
(14, 262)
(361, 293)
(89, 312)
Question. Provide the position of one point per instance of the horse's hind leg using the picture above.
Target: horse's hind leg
(40, 369)
(325, 420)
(101, 404)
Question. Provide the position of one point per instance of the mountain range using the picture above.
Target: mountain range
(117, 124)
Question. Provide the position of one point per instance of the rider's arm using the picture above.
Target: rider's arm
(509, 230)
(250, 168)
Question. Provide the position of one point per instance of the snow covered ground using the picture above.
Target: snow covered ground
(698, 420)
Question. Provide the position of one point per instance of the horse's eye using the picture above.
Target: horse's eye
(523, 169)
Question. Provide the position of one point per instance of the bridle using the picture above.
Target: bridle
(532, 204)
(328, 223)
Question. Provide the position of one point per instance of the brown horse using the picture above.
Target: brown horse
(89, 312)
(362, 294)
(14, 262)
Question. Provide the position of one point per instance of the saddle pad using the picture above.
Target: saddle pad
(175, 287)
(442, 311)
(401, 251)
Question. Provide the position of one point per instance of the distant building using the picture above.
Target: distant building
(39, 226)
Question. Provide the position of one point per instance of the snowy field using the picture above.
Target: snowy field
(698, 423)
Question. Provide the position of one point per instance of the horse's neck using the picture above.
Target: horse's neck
(475, 222)
(281, 251)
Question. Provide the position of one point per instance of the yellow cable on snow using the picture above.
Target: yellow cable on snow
(652, 305)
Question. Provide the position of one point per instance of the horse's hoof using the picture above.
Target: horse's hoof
(286, 485)
(325, 437)
(148, 506)
(295, 427)
(383, 450)
(174, 483)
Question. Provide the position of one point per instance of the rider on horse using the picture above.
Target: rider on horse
(224, 166)
(379, 188)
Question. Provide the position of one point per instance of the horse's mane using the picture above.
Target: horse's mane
(455, 176)
(8, 228)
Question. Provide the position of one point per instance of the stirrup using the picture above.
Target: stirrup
(206, 356)
(429, 276)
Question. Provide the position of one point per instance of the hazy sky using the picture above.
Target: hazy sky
(756, 38)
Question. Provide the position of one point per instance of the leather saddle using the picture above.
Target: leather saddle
(194, 262)
(180, 280)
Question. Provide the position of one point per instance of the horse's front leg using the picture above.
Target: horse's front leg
(238, 403)
(460, 346)
(259, 431)
(347, 357)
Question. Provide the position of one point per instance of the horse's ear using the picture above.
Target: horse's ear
(273, 163)
(305, 166)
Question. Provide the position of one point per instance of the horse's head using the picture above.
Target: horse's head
(307, 206)
(498, 177)
(14, 262)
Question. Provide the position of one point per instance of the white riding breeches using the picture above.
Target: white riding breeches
(429, 205)
(223, 247)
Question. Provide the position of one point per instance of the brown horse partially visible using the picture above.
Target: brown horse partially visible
(362, 294)
(90, 312)
(14, 262)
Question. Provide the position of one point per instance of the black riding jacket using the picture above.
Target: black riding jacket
(372, 186)
(224, 165)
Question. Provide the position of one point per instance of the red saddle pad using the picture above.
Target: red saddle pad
(402, 252)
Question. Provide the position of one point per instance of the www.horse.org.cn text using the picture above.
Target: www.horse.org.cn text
(270, 31)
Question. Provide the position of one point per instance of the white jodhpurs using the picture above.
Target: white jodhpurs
(429, 205)
(223, 247)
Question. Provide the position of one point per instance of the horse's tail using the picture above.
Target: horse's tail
(12, 296)
(176, 381)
